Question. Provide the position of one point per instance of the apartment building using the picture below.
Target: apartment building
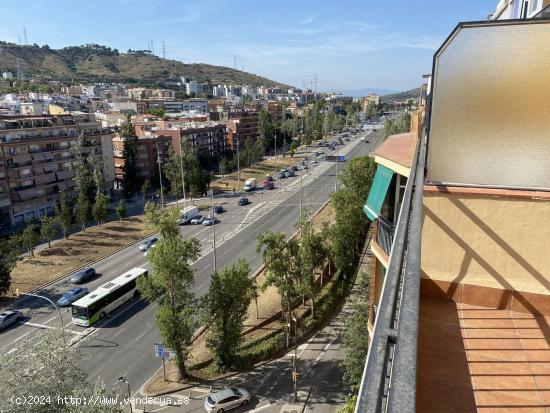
(151, 149)
(521, 9)
(207, 138)
(461, 275)
(242, 125)
(36, 160)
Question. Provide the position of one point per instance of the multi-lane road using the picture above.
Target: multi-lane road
(122, 345)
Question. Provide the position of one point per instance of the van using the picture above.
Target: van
(250, 184)
(187, 214)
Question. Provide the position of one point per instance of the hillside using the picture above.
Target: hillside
(100, 63)
(408, 94)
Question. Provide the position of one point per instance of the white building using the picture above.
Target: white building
(7, 75)
(521, 9)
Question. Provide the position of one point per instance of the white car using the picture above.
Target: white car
(226, 399)
(148, 243)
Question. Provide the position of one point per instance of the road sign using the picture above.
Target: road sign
(159, 350)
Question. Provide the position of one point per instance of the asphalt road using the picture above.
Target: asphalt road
(122, 345)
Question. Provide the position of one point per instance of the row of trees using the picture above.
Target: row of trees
(400, 124)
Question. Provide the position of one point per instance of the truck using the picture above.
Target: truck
(250, 184)
(187, 214)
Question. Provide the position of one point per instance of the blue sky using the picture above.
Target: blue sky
(348, 44)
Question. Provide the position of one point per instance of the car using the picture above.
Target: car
(226, 399)
(9, 317)
(304, 166)
(210, 221)
(71, 296)
(83, 275)
(314, 161)
(294, 168)
(146, 253)
(148, 243)
(281, 175)
(218, 209)
(319, 153)
(290, 173)
(183, 221)
(243, 202)
(197, 220)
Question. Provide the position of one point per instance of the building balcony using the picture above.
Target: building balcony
(384, 234)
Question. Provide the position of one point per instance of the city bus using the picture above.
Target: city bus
(100, 302)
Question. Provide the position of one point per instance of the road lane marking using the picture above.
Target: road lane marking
(37, 325)
(119, 331)
(141, 335)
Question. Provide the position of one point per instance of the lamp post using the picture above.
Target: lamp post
(160, 178)
(295, 359)
(17, 293)
(213, 221)
(123, 380)
(182, 175)
(336, 175)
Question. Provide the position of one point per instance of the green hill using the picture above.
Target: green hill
(101, 63)
(401, 96)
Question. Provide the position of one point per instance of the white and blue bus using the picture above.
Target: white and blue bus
(100, 302)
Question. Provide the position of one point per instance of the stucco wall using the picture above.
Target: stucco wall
(487, 241)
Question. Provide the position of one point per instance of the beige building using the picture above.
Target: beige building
(473, 319)
(36, 161)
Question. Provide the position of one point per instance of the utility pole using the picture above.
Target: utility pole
(182, 174)
(238, 162)
(213, 221)
(25, 35)
(163, 50)
(160, 178)
(336, 175)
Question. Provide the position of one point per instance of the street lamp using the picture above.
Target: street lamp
(295, 375)
(123, 380)
(182, 174)
(17, 293)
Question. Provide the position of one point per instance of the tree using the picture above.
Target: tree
(9, 254)
(157, 112)
(48, 228)
(226, 305)
(144, 188)
(401, 124)
(51, 369)
(129, 154)
(64, 214)
(225, 166)
(121, 210)
(265, 127)
(170, 283)
(281, 259)
(312, 257)
(82, 210)
(357, 176)
(101, 208)
(355, 338)
(30, 238)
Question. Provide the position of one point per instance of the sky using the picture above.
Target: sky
(344, 44)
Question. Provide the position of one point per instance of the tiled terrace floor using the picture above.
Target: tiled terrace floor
(477, 359)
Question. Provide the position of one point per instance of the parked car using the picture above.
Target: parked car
(210, 221)
(83, 275)
(243, 202)
(290, 174)
(197, 220)
(148, 243)
(294, 168)
(281, 175)
(10, 317)
(218, 209)
(226, 399)
(71, 296)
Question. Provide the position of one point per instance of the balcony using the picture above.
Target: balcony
(384, 234)
(544, 13)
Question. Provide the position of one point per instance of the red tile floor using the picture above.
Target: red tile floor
(477, 359)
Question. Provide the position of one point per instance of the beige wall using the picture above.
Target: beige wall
(488, 241)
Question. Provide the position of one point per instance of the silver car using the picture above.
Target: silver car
(10, 317)
(148, 244)
(226, 399)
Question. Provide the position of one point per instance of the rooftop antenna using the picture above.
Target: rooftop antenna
(163, 50)
(19, 39)
(234, 61)
(152, 48)
(25, 35)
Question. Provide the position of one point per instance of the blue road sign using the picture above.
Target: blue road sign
(159, 350)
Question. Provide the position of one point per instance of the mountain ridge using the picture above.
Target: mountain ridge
(101, 63)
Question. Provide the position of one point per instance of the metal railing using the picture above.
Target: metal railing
(544, 13)
(384, 234)
(389, 378)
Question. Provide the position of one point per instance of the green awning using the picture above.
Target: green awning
(378, 191)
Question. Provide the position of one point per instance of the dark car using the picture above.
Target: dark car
(83, 275)
(290, 174)
(294, 167)
(71, 296)
(218, 209)
(243, 201)
(10, 317)
(281, 175)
